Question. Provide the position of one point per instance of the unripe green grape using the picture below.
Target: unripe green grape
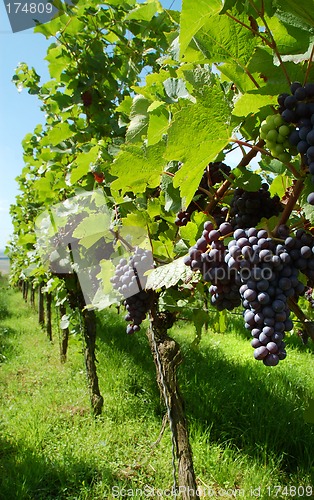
(279, 149)
(272, 135)
(269, 119)
(265, 127)
(284, 130)
(281, 139)
(278, 121)
(270, 145)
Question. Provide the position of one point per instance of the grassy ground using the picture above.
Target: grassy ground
(247, 426)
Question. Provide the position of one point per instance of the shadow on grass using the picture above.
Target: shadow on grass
(249, 407)
(27, 475)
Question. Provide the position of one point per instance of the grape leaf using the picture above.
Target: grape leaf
(139, 119)
(144, 12)
(168, 275)
(246, 179)
(137, 168)
(301, 10)
(172, 195)
(83, 162)
(220, 39)
(58, 133)
(279, 185)
(197, 134)
(175, 88)
(158, 125)
(271, 165)
(289, 39)
(92, 228)
(253, 101)
(192, 19)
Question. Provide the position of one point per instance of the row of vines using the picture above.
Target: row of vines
(174, 173)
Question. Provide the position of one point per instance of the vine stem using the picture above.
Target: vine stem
(243, 163)
(248, 145)
(272, 43)
(297, 189)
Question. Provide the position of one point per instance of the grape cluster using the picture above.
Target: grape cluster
(184, 216)
(261, 272)
(247, 208)
(213, 174)
(297, 109)
(268, 279)
(208, 256)
(275, 131)
(130, 281)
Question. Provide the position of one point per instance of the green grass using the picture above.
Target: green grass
(246, 421)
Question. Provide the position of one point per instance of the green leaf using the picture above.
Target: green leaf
(144, 12)
(158, 125)
(189, 233)
(280, 184)
(137, 168)
(302, 10)
(168, 275)
(289, 39)
(192, 18)
(139, 119)
(175, 88)
(172, 195)
(92, 228)
(135, 219)
(245, 179)
(222, 40)
(252, 101)
(198, 133)
(57, 60)
(153, 207)
(83, 162)
(27, 239)
(271, 165)
(200, 318)
(59, 133)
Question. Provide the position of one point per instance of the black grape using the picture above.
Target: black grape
(130, 281)
(310, 198)
(260, 271)
(247, 208)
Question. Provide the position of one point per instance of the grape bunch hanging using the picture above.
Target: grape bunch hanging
(292, 130)
(258, 271)
(130, 281)
(247, 208)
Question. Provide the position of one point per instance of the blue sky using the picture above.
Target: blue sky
(20, 112)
